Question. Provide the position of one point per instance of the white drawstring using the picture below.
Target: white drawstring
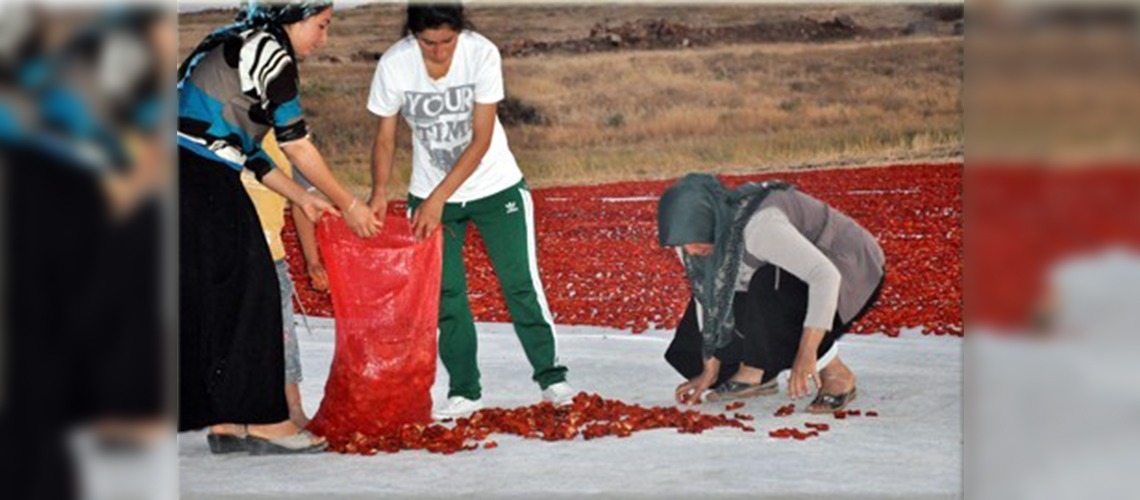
(304, 313)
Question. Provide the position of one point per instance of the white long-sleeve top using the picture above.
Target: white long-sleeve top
(769, 237)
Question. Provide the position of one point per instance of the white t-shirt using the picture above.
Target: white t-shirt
(440, 113)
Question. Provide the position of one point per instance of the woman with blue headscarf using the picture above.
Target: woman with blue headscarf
(237, 85)
(777, 277)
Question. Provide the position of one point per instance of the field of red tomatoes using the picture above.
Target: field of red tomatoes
(1024, 219)
(601, 265)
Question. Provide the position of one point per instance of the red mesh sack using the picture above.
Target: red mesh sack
(385, 294)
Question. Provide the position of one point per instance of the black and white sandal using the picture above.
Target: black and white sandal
(830, 403)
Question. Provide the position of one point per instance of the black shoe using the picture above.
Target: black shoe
(296, 444)
(226, 443)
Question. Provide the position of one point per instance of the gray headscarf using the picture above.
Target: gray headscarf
(700, 209)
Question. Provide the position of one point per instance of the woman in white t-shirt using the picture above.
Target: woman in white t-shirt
(446, 80)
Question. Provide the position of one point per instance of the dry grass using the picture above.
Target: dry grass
(629, 115)
(632, 115)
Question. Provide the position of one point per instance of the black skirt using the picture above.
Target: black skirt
(125, 337)
(55, 223)
(231, 354)
(769, 325)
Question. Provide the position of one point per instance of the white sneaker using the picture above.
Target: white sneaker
(561, 394)
(458, 407)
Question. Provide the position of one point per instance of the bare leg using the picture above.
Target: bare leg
(279, 430)
(748, 375)
(230, 429)
(296, 410)
(268, 431)
(836, 378)
(138, 431)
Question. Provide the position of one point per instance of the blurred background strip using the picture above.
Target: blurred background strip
(86, 158)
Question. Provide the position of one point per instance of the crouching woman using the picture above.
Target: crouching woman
(777, 277)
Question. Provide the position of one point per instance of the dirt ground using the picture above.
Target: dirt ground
(599, 92)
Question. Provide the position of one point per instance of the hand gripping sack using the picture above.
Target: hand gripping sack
(385, 294)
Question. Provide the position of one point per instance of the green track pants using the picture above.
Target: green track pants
(506, 223)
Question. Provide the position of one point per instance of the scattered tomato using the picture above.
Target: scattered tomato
(589, 416)
(785, 410)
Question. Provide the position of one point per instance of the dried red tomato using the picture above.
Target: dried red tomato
(793, 433)
(628, 281)
(589, 416)
(785, 410)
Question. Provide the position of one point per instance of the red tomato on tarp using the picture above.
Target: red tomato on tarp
(385, 294)
(601, 264)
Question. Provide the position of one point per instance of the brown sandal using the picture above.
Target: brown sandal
(830, 403)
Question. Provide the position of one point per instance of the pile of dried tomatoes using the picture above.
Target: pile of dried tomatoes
(589, 416)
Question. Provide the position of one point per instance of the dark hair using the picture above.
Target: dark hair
(425, 16)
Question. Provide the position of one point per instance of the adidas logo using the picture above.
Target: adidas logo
(512, 207)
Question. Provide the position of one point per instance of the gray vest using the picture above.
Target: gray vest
(848, 245)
